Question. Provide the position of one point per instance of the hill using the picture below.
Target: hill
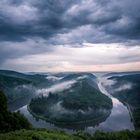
(121, 73)
(78, 75)
(37, 79)
(20, 87)
(82, 103)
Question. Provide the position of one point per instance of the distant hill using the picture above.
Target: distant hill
(120, 73)
(21, 87)
(12, 73)
(76, 75)
(37, 79)
(14, 87)
(82, 75)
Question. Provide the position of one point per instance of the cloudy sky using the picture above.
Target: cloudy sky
(70, 35)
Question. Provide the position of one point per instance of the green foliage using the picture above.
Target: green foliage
(17, 86)
(12, 87)
(10, 121)
(82, 102)
(38, 134)
(84, 96)
(3, 102)
(45, 134)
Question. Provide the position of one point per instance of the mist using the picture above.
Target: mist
(53, 78)
(126, 86)
(55, 88)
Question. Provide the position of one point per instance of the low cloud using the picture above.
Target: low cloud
(58, 109)
(107, 82)
(127, 86)
(55, 88)
(54, 78)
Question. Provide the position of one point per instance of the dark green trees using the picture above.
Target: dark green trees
(78, 105)
(10, 121)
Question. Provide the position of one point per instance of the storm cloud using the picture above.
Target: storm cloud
(60, 19)
(34, 27)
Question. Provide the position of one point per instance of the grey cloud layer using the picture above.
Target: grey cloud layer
(35, 27)
(58, 20)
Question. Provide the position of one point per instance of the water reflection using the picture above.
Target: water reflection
(119, 118)
(38, 123)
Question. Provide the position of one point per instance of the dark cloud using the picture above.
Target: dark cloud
(14, 50)
(48, 19)
(42, 19)
(36, 26)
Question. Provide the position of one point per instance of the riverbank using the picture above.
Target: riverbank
(118, 120)
(130, 111)
(120, 113)
(72, 124)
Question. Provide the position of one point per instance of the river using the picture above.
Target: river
(119, 118)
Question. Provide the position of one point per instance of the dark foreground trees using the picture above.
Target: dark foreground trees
(11, 121)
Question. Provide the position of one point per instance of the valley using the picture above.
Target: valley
(84, 100)
(81, 103)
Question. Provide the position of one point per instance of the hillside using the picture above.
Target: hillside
(15, 88)
(76, 75)
(20, 87)
(38, 80)
(112, 74)
(10, 121)
(82, 103)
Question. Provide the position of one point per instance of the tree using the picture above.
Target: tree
(11, 121)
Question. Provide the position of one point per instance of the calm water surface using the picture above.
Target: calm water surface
(119, 118)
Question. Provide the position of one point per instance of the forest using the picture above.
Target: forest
(82, 102)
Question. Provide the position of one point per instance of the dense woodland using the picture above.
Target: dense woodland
(82, 102)
(19, 86)
(11, 121)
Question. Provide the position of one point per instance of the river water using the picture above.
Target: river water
(119, 118)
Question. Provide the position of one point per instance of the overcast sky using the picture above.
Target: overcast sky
(70, 35)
